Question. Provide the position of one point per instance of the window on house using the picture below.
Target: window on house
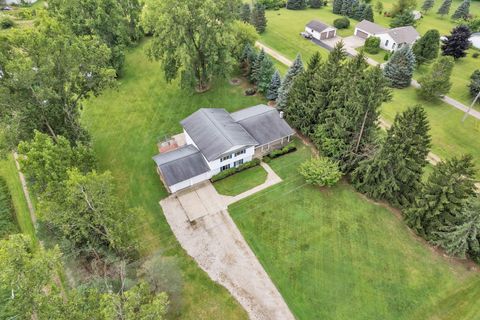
(399, 45)
(226, 158)
(240, 152)
(386, 43)
(225, 167)
(393, 46)
(237, 163)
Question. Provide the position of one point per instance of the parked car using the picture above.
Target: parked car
(306, 35)
(6, 9)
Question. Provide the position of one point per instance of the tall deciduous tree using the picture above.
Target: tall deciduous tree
(444, 8)
(437, 83)
(444, 196)
(457, 42)
(379, 7)
(243, 34)
(395, 172)
(191, 37)
(399, 69)
(426, 48)
(46, 74)
(402, 6)
(275, 83)
(427, 5)
(462, 11)
(258, 19)
(295, 69)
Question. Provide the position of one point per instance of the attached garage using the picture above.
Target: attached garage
(361, 34)
(319, 30)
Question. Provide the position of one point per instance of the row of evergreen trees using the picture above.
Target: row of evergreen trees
(462, 12)
(255, 16)
(341, 117)
(302, 4)
(353, 9)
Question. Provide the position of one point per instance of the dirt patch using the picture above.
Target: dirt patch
(235, 81)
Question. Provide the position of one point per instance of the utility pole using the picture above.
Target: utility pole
(471, 106)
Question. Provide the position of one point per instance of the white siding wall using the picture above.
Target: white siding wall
(217, 164)
(18, 1)
(190, 182)
(383, 42)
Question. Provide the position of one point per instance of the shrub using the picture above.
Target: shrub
(372, 45)
(280, 152)
(227, 173)
(386, 56)
(6, 23)
(250, 91)
(7, 213)
(320, 171)
(475, 55)
(341, 23)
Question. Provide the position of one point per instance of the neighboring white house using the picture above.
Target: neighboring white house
(390, 39)
(319, 30)
(216, 140)
(9, 2)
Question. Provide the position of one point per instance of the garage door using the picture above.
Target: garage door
(323, 35)
(331, 34)
(361, 34)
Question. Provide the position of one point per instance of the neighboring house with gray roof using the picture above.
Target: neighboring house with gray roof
(320, 30)
(217, 140)
(390, 39)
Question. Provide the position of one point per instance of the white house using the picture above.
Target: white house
(319, 30)
(216, 140)
(18, 2)
(390, 39)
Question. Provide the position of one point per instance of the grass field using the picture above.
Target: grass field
(241, 182)
(335, 255)
(9, 172)
(125, 124)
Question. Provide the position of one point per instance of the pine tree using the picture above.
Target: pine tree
(337, 6)
(368, 13)
(399, 69)
(403, 19)
(264, 74)
(463, 236)
(255, 69)
(426, 48)
(395, 172)
(437, 83)
(462, 11)
(457, 42)
(444, 8)
(357, 11)
(295, 69)
(275, 83)
(296, 4)
(347, 6)
(259, 20)
(443, 197)
(246, 13)
(427, 5)
(474, 86)
(315, 4)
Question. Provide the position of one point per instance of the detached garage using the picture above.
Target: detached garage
(319, 30)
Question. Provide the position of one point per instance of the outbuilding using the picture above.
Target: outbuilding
(320, 30)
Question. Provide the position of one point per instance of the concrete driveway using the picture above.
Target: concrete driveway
(353, 42)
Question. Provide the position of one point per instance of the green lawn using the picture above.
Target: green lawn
(241, 182)
(125, 124)
(9, 172)
(335, 255)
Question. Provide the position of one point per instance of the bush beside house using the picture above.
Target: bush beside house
(229, 172)
(320, 171)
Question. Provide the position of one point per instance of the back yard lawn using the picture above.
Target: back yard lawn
(241, 181)
(335, 255)
(125, 124)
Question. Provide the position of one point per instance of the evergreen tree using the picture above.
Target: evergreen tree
(437, 83)
(246, 13)
(315, 4)
(457, 42)
(337, 6)
(247, 59)
(399, 69)
(474, 86)
(426, 48)
(395, 172)
(443, 197)
(259, 20)
(427, 5)
(295, 69)
(462, 11)
(264, 74)
(296, 4)
(275, 83)
(255, 69)
(444, 8)
(463, 236)
(368, 13)
(357, 11)
(403, 19)
(347, 6)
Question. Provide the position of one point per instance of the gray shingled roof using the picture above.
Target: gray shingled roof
(263, 123)
(214, 132)
(317, 25)
(371, 27)
(406, 34)
(181, 164)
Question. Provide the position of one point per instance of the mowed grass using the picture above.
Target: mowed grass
(9, 172)
(125, 124)
(241, 181)
(333, 254)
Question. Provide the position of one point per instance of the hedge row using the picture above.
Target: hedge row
(280, 152)
(8, 224)
(232, 171)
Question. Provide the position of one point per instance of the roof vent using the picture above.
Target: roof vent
(281, 114)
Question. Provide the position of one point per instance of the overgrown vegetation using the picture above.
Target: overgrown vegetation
(8, 223)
